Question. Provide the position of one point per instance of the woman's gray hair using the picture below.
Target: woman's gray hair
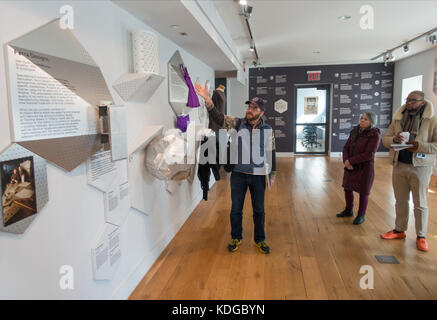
(372, 117)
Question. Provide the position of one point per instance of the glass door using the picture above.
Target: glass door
(311, 121)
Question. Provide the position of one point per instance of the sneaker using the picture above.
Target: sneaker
(422, 244)
(392, 235)
(262, 247)
(234, 244)
(345, 213)
(359, 219)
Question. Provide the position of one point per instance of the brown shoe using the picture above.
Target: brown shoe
(392, 235)
(422, 244)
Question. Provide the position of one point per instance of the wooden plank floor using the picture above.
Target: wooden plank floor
(314, 255)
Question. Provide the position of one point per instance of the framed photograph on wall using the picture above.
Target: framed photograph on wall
(311, 105)
(18, 198)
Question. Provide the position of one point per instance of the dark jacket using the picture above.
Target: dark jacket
(252, 167)
(219, 100)
(229, 122)
(360, 150)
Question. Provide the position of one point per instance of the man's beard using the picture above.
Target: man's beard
(254, 118)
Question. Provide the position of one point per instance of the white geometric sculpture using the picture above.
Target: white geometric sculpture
(143, 187)
(145, 52)
(140, 85)
(167, 157)
(145, 136)
(106, 253)
(137, 87)
(281, 106)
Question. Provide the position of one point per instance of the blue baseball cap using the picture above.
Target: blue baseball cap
(257, 102)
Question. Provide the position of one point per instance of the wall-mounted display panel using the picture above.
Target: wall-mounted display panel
(54, 90)
(356, 88)
(117, 132)
(178, 89)
(111, 178)
(106, 253)
(23, 188)
(102, 171)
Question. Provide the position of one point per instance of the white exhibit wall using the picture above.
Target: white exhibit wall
(66, 229)
(237, 95)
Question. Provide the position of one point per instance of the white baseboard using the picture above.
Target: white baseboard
(382, 154)
(284, 154)
(378, 154)
(335, 154)
(128, 286)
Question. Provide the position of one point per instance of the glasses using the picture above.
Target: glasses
(254, 108)
(412, 100)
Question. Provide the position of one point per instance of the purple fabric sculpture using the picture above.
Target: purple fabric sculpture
(182, 122)
(193, 100)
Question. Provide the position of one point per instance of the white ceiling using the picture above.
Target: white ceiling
(287, 32)
(162, 14)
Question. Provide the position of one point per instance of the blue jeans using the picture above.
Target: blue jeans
(257, 187)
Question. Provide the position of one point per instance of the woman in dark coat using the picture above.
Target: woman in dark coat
(358, 158)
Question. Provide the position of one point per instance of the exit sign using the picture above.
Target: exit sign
(314, 75)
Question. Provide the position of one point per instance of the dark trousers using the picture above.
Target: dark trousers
(257, 187)
(364, 200)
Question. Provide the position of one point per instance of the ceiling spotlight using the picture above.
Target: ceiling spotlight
(246, 11)
(406, 48)
(432, 38)
(390, 56)
(243, 2)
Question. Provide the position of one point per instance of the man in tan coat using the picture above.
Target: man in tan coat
(412, 168)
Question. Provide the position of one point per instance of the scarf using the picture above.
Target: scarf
(411, 121)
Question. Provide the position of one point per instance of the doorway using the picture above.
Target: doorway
(311, 123)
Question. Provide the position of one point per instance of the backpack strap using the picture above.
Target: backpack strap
(239, 123)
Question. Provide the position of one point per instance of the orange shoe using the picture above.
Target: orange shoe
(422, 244)
(392, 235)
